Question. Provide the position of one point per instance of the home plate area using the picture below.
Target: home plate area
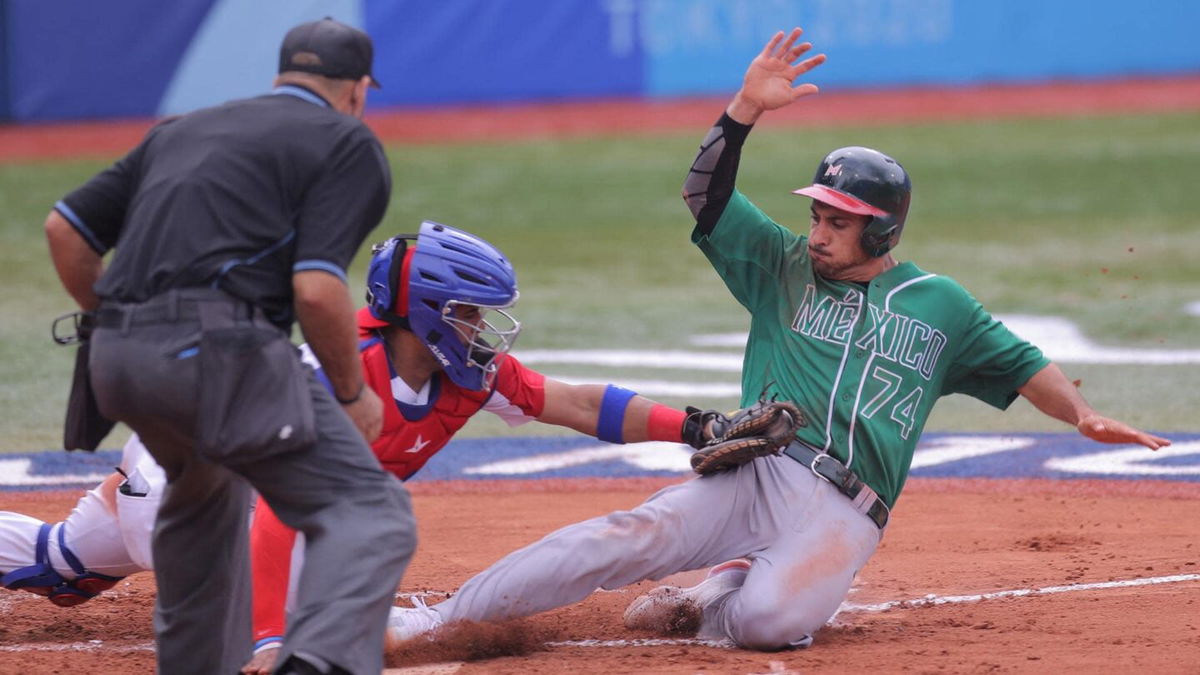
(998, 558)
(1009, 574)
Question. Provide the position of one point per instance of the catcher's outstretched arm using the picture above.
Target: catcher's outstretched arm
(610, 413)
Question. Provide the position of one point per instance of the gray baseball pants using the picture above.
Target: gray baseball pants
(806, 542)
(356, 518)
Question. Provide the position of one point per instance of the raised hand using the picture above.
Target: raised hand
(767, 84)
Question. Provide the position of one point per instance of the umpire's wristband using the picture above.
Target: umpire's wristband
(347, 401)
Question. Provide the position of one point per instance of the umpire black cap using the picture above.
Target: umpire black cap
(330, 48)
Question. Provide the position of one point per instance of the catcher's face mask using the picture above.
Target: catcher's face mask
(488, 333)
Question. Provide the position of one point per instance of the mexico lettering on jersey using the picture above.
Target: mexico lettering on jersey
(905, 341)
(867, 361)
(416, 425)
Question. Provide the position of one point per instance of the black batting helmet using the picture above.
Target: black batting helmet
(869, 183)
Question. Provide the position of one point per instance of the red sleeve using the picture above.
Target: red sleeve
(522, 386)
(271, 544)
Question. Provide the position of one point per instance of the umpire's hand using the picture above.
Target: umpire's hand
(367, 414)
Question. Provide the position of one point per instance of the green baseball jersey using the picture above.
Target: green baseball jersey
(866, 361)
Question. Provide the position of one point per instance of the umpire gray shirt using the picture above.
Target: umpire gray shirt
(237, 197)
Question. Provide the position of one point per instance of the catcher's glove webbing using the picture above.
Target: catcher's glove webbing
(764, 428)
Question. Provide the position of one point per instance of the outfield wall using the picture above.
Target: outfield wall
(68, 59)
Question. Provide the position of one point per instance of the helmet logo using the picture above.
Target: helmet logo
(833, 170)
(440, 356)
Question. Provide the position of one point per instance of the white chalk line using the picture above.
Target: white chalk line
(424, 595)
(648, 642)
(89, 646)
(931, 599)
(925, 601)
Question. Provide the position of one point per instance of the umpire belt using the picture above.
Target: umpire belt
(174, 306)
(866, 501)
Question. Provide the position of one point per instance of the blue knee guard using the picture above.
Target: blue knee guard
(42, 579)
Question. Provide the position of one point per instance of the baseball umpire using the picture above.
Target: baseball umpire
(230, 224)
(862, 343)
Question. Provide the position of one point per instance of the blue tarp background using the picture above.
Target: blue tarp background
(68, 59)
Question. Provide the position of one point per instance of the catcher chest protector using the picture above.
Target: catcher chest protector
(869, 183)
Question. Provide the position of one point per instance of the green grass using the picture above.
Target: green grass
(1094, 219)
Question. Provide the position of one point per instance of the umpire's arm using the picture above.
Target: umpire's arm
(77, 263)
(326, 316)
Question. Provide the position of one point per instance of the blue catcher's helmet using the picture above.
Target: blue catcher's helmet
(422, 287)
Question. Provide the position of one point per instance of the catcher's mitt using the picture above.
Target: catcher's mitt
(764, 428)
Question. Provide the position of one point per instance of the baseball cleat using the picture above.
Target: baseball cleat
(803, 643)
(406, 623)
(680, 611)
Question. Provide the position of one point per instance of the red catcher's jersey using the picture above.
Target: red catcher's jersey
(412, 434)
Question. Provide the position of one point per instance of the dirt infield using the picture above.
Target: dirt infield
(523, 121)
(1115, 562)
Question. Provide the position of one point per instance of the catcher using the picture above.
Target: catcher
(864, 343)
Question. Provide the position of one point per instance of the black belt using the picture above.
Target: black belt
(846, 481)
(169, 307)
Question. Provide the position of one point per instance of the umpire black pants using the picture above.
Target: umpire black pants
(356, 518)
